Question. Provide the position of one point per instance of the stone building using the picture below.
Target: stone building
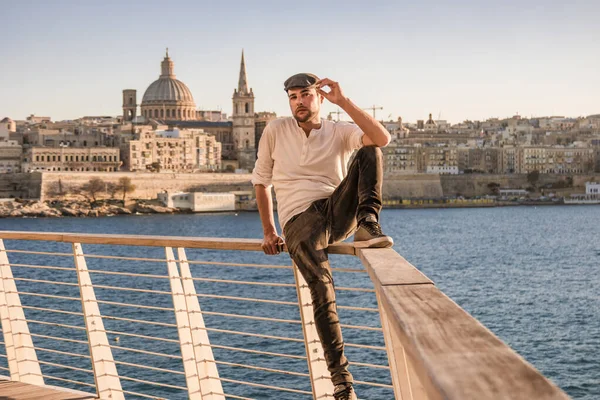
(170, 102)
(7, 126)
(595, 143)
(439, 160)
(569, 160)
(480, 160)
(104, 159)
(430, 125)
(512, 160)
(62, 138)
(399, 158)
(10, 156)
(548, 160)
(10, 150)
(34, 119)
(221, 130)
(174, 150)
(211, 115)
(397, 130)
(260, 123)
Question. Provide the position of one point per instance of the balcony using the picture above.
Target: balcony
(128, 316)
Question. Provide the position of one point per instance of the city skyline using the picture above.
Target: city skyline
(462, 62)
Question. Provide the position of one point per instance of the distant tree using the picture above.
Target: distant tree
(569, 181)
(494, 188)
(94, 187)
(533, 177)
(57, 189)
(112, 189)
(125, 186)
(589, 166)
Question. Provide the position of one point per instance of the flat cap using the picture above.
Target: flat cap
(301, 80)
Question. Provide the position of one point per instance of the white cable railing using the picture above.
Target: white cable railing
(152, 324)
(133, 314)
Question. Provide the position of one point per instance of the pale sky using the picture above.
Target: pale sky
(459, 59)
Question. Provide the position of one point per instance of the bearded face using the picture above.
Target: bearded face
(305, 103)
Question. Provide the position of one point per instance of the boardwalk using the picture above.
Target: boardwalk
(10, 390)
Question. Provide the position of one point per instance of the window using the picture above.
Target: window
(247, 108)
(168, 113)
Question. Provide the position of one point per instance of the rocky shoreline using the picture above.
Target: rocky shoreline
(72, 208)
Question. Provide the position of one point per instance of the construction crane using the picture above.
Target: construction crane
(373, 108)
(338, 112)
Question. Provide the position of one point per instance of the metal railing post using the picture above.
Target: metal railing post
(22, 358)
(106, 377)
(183, 328)
(320, 378)
(210, 384)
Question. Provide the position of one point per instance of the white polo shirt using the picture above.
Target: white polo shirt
(303, 169)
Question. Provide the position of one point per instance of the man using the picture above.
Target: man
(319, 199)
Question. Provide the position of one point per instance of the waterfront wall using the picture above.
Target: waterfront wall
(412, 186)
(20, 185)
(433, 186)
(470, 185)
(41, 185)
(148, 185)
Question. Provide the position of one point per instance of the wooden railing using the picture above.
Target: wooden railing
(435, 349)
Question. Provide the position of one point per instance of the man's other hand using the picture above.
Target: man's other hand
(272, 244)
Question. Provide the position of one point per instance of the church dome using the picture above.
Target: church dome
(167, 98)
(168, 90)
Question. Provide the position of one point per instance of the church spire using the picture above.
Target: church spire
(243, 81)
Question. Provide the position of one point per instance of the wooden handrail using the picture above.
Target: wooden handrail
(453, 355)
(157, 241)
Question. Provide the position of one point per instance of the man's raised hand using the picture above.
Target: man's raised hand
(335, 94)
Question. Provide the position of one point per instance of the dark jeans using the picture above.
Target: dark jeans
(328, 221)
